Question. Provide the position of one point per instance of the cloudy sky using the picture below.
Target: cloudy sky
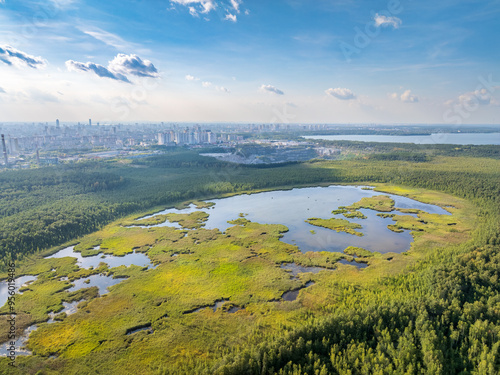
(326, 61)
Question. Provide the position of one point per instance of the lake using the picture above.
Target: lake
(288, 207)
(292, 207)
(438, 138)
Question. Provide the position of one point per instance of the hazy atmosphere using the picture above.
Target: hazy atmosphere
(395, 61)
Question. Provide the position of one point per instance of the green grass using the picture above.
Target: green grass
(242, 265)
(338, 225)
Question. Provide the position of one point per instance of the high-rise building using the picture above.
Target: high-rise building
(5, 157)
(90, 122)
(161, 138)
(57, 123)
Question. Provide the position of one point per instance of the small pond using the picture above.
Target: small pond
(139, 259)
(20, 281)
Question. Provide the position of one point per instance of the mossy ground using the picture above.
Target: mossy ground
(338, 225)
(241, 265)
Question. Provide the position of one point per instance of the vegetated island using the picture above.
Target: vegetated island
(339, 225)
(381, 203)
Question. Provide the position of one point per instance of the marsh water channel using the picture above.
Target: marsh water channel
(288, 207)
(102, 282)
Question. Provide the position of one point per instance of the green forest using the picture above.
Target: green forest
(435, 311)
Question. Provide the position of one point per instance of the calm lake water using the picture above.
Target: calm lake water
(438, 138)
(4, 288)
(138, 259)
(100, 281)
(292, 207)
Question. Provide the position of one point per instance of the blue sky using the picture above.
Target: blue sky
(326, 61)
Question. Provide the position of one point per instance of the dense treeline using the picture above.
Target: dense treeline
(443, 318)
(48, 206)
(445, 321)
(182, 159)
(402, 156)
(482, 151)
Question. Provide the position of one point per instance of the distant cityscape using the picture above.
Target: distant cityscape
(26, 145)
(44, 143)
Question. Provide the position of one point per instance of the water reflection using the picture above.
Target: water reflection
(5, 348)
(353, 263)
(101, 281)
(292, 295)
(292, 207)
(294, 269)
(19, 282)
(139, 259)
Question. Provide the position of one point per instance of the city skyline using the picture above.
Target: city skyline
(250, 61)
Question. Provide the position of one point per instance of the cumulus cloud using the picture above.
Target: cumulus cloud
(478, 97)
(197, 6)
(191, 78)
(101, 71)
(406, 97)
(272, 89)
(481, 96)
(133, 65)
(12, 56)
(341, 93)
(236, 5)
(381, 20)
(193, 12)
(206, 84)
(230, 17)
(118, 68)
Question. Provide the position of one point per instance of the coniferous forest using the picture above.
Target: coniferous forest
(439, 314)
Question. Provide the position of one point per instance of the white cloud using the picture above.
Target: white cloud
(193, 12)
(480, 96)
(101, 71)
(341, 93)
(197, 6)
(118, 69)
(133, 65)
(271, 89)
(191, 78)
(230, 17)
(236, 5)
(206, 84)
(408, 97)
(222, 89)
(381, 20)
(62, 3)
(2, 91)
(12, 56)
(107, 38)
